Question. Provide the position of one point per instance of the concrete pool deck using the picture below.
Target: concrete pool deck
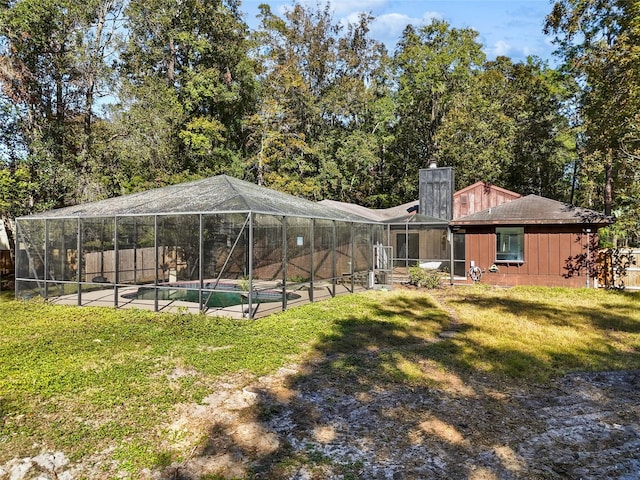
(126, 299)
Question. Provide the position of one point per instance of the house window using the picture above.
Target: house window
(510, 244)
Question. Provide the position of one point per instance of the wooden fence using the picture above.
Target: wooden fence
(619, 268)
(135, 265)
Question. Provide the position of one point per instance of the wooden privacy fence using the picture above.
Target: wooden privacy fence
(619, 268)
(135, 265)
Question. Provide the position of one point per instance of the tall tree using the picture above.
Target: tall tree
(300, 58)
(194, 54)
(434, 63)
(323, 128)
(54, 69)
(359, 114)
(477, 134)
(508, 126)
(544, 143)
(298, 54)
(598, 41)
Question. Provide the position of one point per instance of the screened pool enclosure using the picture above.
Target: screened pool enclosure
(217, 245)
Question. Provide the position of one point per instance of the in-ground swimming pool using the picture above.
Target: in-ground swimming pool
(223, 295)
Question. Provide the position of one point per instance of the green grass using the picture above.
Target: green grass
(6, 295)
(536, 333)
(82, 380)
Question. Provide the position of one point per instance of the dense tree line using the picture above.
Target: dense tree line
(105, 97)
(598, 41)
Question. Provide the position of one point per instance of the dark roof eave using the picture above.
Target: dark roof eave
(410, 222)
(598, 224)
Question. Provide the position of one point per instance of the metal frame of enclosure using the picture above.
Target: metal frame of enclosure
(214, 245)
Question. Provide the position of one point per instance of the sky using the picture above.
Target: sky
(506, 27)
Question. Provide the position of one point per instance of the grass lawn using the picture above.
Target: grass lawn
(86, 380)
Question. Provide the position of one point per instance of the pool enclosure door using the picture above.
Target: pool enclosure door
(382, 266)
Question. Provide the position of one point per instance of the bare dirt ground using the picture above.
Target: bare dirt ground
(304, 422)
(584, 426)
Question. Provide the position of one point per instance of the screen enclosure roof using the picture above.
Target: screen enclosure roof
(218, 194)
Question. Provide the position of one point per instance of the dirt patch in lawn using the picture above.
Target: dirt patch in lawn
(581, 426)
(285, 426)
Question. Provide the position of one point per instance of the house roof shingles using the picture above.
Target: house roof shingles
(534, 210)
(393, 215)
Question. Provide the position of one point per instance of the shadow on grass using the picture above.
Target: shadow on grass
(398, 390)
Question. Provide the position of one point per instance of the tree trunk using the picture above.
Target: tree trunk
(171, 67)
(608, 183)
(60, 114)
(94, 60)
(8, 228)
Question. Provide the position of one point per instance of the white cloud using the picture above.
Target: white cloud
(517, 52)
(388, 23)
(392, 24)
(500, 48)
(350, 7)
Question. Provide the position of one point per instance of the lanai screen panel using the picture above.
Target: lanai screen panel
(268, 247)
(62, 252)
(136, 250)
(219, 234)
(298, 259)
(30, 259)
(344, 249)
(406, 247)
(299, 243)
(363, 253)
(424, 241)
(178, 243)
(98, 250)
(324, 250)
(434, 251)
(237, 260)
(225, 246)
(96, 260)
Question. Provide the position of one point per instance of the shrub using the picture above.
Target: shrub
(243, 284)
(420, 277)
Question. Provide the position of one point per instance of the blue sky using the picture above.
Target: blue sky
(506, 27)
